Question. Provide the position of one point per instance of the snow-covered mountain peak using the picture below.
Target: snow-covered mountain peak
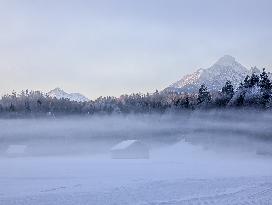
(214, 77)
(59, 93)
(57, 90)
(226, 60)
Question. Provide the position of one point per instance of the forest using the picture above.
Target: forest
(254, 92)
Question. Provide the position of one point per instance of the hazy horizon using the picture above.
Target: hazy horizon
(101, 48)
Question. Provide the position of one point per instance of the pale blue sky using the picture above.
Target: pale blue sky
(124, 46)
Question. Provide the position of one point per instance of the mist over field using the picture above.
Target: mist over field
(86, 135)
(211, 157)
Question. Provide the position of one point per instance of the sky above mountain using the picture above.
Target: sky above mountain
(113, 47)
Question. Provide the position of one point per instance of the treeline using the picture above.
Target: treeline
(255, 91)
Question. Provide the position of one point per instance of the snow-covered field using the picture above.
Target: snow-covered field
(174, 174)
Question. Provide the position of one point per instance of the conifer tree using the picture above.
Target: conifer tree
(203, 95)
(265, 82)
(240, 100)
(266, 87)
(246, 83)
(254, 80)
(228, 90)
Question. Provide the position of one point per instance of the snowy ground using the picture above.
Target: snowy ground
(178, 174)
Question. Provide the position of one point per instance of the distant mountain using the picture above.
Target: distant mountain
(59, 93)
(214, 77)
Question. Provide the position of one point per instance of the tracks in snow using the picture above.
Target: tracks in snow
(222, 191)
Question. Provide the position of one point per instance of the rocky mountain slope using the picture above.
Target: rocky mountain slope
(59, 93)
(214, 77)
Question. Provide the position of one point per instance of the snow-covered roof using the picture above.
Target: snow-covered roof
(16, 149)
(123, 145)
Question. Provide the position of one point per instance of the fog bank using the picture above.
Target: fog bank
(219, 130)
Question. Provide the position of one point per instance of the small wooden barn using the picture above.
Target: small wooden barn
(130, 149)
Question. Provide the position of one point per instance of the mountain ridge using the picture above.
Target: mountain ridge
(224, 69)
(59, 93)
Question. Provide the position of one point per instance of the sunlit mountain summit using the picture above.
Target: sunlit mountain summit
(59, 93)
(224, 69)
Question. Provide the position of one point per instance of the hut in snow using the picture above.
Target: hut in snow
(130, 149)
